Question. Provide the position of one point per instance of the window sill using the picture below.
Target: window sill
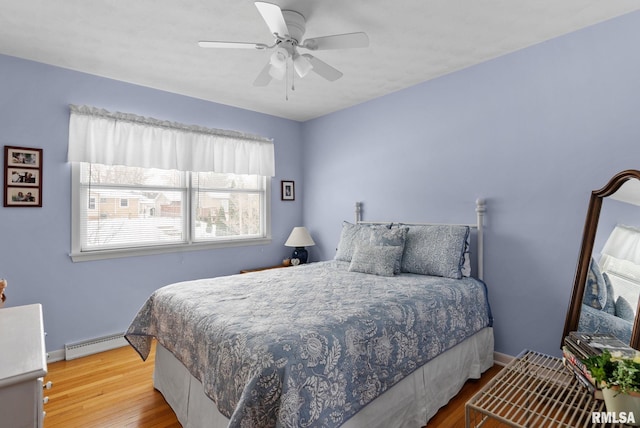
(178, 248)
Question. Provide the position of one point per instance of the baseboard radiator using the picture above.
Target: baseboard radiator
(93, 346)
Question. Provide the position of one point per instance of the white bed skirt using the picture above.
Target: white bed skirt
(410, 403)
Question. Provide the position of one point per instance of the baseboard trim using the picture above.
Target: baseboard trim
(502, 359)
(94, 346)
(57, 355)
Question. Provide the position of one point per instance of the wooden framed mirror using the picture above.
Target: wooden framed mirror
(622, 194)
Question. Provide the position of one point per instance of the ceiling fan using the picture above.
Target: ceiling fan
(288, 27)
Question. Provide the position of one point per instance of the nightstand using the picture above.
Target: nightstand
(263, 268)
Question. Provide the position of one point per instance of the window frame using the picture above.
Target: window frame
(78, 199)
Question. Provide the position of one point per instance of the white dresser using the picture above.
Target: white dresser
(23, 363)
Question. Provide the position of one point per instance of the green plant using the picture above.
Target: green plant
(614, 370)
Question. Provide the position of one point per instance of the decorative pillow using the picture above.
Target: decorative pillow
(390, 238)
(376, 260)
(610, 304)
(436, 250)
(624, 309)
(351, 235)
(595, 290)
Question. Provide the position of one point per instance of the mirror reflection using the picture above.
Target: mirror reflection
(612, 288)
(606, 289)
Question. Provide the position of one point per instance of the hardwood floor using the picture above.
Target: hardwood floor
(110, 389)
(114, 389)
(452, 415)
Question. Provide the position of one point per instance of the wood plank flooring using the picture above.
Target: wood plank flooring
(452, 415)
(114, 389)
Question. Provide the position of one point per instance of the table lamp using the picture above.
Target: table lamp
(300, 238)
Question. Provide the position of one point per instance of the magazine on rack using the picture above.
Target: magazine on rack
(581, 372)
(589, 344)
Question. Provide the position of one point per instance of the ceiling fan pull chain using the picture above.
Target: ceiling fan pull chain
(293, 80)
(286, 82)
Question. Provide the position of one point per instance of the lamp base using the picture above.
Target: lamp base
(301, 254)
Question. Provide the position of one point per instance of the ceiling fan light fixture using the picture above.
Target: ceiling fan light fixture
(302, 65)
(279, 58)
(277, 72)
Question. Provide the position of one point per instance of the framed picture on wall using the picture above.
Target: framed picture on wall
(22, 177)
(23, 157)
(288, 192)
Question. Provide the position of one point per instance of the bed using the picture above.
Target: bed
(383, 335)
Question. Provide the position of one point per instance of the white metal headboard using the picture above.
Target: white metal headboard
(481, 209)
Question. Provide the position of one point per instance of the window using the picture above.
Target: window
(156, 189)
(145, 210)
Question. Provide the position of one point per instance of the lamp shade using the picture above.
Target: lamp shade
(302, 65)
(276, 72)
(299, 237)
(278, 63)
(624, 243)
(279, 58)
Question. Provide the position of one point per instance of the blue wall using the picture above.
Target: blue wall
(90, 299)
(532, 132)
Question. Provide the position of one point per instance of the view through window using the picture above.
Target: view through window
(128, 207)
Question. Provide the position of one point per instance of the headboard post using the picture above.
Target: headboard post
(481, 208)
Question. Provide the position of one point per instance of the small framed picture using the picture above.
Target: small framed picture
(288, 190)
(22, 177)
(23, 197)
(23, 157)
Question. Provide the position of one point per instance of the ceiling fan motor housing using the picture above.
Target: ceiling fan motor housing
(295, 23)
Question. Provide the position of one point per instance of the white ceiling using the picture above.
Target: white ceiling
(154, 43)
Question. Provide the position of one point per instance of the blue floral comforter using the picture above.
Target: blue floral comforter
(307, 345)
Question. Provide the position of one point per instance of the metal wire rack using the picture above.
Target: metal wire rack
(534, 390)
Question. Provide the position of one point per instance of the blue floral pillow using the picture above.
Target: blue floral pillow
(595, 289)
(376, 260)
(390, 238)
(624, 309)
(352, 235)
(610, 305)
(436, 250)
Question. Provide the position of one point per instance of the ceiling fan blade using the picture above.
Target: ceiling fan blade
(272, 15)
(264, 78)
(338, 41)
(231, 45)
(323, 69)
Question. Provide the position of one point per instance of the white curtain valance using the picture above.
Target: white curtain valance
(99, 136)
